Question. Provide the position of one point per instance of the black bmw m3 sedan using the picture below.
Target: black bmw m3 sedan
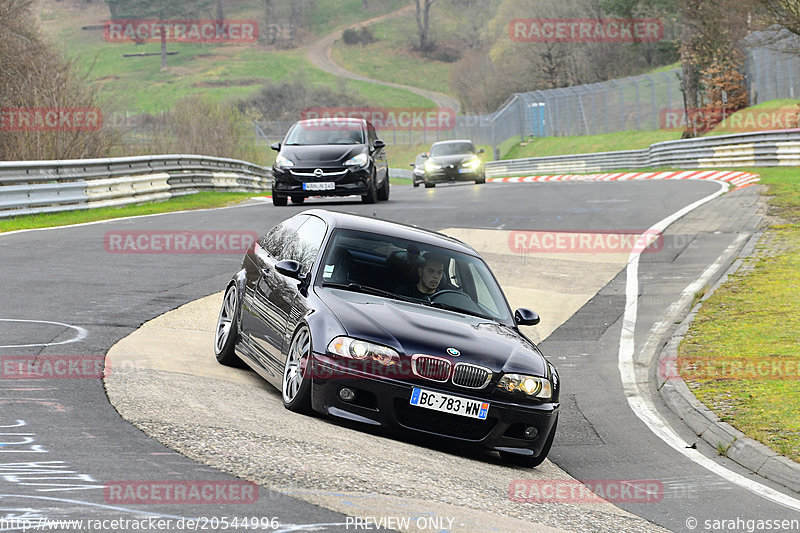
(389, 325)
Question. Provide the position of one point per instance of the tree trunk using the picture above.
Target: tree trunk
(163, 48)
(220, 10)
(423, 22)
(691, 80)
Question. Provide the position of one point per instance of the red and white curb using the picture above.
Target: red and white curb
(738, 180)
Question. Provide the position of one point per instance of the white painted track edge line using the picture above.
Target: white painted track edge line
(640, 404)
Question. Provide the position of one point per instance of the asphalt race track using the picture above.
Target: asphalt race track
(63, 443)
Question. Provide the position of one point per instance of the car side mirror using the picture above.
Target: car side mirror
(276, 146)
(378, 144)
(525, 317)
(481, 150)
(413, 164)
(289, 268)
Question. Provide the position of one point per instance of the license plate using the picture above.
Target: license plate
(319, 186)
(446, 403)
(464, 170)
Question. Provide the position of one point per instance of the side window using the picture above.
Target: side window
(482, 291)
(274, 242)
(372, 135)
(306, 243)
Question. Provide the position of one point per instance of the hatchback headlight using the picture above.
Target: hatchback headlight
(472, 163)
(531, 386)
(430, 164)
(360, 160)
(360, 350)
(283, 162)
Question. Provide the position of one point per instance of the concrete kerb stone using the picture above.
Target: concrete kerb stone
(750, 454)
(679, 398)
(782, 470)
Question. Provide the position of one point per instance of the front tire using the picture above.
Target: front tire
(296, 385)
(227, 332)
(372, 194)
(298, 199)
(528, 461)
(279, 201)
(383, 192)
(429, 185)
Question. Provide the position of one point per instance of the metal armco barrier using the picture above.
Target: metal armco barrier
(758, 149)
(30, 187)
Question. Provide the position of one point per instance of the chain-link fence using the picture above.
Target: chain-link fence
(646, 102)
(772, 64)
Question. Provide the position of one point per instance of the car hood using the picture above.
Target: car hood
(452, 159)
(415, 328)
(321, 155)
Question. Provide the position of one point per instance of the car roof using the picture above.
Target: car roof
(336, 219)
(348, 120)
(454, 141)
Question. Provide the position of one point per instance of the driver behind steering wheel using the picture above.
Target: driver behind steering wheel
(430, 275)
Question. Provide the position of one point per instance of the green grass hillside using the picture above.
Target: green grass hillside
(220, 71)
(390, 57)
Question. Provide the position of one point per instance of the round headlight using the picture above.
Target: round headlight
(530, 386)
(359, 350)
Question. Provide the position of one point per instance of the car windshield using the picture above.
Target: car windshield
(415, 272)
(451, 149)
(322, 132)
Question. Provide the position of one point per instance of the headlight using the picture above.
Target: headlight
(430, 164)
(358, 161)
(472, 163)
(357, 349)
(531, 386)
(283, 162)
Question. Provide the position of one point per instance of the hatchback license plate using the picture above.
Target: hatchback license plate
(319, 186)
(446, 403)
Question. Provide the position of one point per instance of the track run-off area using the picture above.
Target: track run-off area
(167, 412)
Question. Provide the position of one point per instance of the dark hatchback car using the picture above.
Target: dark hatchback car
(418, 166)
(321, 310)
(450, 161)
(330, 157)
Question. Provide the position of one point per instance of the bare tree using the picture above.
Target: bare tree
(423, 22)
(34, 77)
(785, 12)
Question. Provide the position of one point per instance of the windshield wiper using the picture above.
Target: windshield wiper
(356, 287)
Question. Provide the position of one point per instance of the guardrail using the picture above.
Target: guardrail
(771, 148)
(31, 187)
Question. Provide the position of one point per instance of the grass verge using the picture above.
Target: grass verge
(201, 200)
(747, 333)
(607, 142)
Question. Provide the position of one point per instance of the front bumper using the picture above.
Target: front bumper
(286, 182)
(448, 174)
(383, 401)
